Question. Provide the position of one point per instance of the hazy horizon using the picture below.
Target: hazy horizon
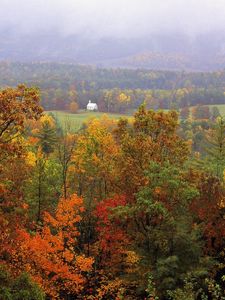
(99, 19)
(158, 34)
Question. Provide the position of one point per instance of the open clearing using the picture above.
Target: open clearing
(221, 108)
(76, 120)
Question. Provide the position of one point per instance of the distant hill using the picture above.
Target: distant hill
(172, 52)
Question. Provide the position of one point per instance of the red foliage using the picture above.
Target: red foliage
(111, 229)
(209, 209)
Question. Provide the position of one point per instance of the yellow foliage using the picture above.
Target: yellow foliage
(123, 98)
(222, 203)
(132, 257)
(31, 159)
(47, 119)
(109, 288)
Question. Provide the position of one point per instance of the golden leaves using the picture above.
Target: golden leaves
(31, 159)
(123, 98)
(47, 119)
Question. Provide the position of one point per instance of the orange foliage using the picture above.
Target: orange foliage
(50, 255)
(16, 107)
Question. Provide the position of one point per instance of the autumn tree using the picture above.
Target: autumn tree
(208, 210)
(201, 112)
(64, 153)
(72, 94)
(50, 255)
(93, 170)
(73, 107)
(109, 98)
(94, 158)
(17, 105)
(124, 100)
(112, 240)
(185, 113)
(151, 137)
(114, 251)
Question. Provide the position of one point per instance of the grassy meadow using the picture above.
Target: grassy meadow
(221, 108)
(75, 121)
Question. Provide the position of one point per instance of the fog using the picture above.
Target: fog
(112, 18)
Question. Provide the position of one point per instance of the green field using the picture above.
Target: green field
(76, 120)
(221, 108)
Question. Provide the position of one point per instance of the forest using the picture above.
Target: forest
(115, 90)
(121, 209)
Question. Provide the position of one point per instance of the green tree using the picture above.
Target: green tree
(65, 149)
(215, 149)
(162, 228)
(43, 188)
(18, 288)
(47, 137)
(215, 113)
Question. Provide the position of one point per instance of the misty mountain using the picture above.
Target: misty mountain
(204, 52)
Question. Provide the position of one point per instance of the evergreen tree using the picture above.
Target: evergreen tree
(215, 149)
(47, 138)
(215, 113)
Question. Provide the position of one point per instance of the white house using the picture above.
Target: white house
(92, 106)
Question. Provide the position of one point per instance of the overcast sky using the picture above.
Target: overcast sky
(102, 18)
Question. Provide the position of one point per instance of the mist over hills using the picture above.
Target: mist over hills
(204, 52)
(153, 34)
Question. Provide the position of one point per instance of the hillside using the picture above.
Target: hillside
(203, 52)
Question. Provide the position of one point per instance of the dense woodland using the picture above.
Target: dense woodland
(114, 90)
(121, 209)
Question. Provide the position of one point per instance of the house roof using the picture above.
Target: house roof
(91, 105)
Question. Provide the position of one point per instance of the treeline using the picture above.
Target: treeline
(61, 84)
(119, 210)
